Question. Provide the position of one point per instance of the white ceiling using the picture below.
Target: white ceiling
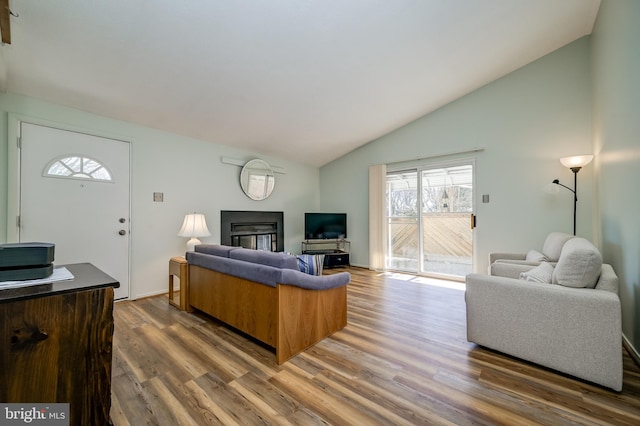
(303, 80)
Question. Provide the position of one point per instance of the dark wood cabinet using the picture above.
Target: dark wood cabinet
(56, 345)
(331, 260)
(336, 252)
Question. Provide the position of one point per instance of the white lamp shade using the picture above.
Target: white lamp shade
(576, 161)
(194, 225)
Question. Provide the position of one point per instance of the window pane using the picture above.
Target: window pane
(402, 219)
(78, 167)
(447, 238)
(89, 165)
(59, 169)
(74, 163)
(101, 174)
(402, 194)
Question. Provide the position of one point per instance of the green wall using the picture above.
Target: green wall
(525, 122)
(188, 171)
(615, 58)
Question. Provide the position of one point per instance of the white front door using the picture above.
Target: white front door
(74, 193)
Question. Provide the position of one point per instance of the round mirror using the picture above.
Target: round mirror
(257, 179)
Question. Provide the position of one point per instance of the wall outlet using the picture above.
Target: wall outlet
(485, 198)
(158, 197)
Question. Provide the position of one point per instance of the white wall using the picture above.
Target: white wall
(525, 122)
(616, 130)
(191, 176)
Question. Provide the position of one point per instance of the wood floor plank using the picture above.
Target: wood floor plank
(258, 400)
(403, 359)
(166, 405)
(211, 358)
(281, 402)
(211, 411)
(330, 406)
(384, 397)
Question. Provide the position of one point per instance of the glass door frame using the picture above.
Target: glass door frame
(418, 169)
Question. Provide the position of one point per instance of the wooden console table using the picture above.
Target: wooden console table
(56, 344)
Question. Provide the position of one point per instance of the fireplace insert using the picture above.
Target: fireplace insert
(257, 230)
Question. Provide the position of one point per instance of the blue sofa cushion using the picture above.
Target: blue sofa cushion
(275, 259)
(257, 272)
(215, 249)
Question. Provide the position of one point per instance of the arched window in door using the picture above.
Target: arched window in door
(78, 167)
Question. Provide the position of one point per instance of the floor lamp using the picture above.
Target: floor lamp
(574, 163)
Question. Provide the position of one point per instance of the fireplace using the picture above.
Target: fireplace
(252, 229)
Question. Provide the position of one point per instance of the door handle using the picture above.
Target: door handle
(122, 232)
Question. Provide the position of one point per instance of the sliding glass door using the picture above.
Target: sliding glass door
(403, 252)
(429, 220)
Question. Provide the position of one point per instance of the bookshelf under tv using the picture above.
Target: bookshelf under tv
(336, 251)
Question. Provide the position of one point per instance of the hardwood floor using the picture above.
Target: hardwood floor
(402, 359)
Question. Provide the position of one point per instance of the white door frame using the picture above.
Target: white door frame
(13, 178)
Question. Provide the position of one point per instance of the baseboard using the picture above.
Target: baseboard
(633, 353)
(145, 295)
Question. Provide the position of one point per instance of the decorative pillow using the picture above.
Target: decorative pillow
(579, 265)
(553, 245)
(540, 274)
(536, 256)
(310, 263)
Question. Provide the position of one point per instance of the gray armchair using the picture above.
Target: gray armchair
(572, 325)
(512, 264)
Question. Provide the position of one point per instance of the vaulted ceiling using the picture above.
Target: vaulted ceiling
(303, 80)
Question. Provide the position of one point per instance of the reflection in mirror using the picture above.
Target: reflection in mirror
(257, 179)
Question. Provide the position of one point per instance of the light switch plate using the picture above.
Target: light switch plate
(158, 197)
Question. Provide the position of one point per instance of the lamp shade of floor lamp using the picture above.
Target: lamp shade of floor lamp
(194, 226)
(575, 163)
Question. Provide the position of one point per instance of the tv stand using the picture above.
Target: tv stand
(336, 252)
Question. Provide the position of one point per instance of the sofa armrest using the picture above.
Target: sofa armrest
(510, 269)
(573, 330)
(506, 256)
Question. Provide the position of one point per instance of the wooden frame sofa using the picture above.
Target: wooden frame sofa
(264, 295)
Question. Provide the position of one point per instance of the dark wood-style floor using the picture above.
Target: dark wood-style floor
(402, 359)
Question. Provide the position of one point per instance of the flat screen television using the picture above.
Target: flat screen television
(325, 226)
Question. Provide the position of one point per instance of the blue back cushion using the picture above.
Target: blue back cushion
(277, 260)
(214, 249)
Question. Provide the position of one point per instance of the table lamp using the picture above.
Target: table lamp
(193, 226)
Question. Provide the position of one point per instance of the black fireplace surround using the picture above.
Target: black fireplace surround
(256, 230)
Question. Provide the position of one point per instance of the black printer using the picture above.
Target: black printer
(26, 261)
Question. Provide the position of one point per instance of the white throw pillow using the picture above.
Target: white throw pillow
(540, 274)
(536, 256)
(553, 245)
(579, 265)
